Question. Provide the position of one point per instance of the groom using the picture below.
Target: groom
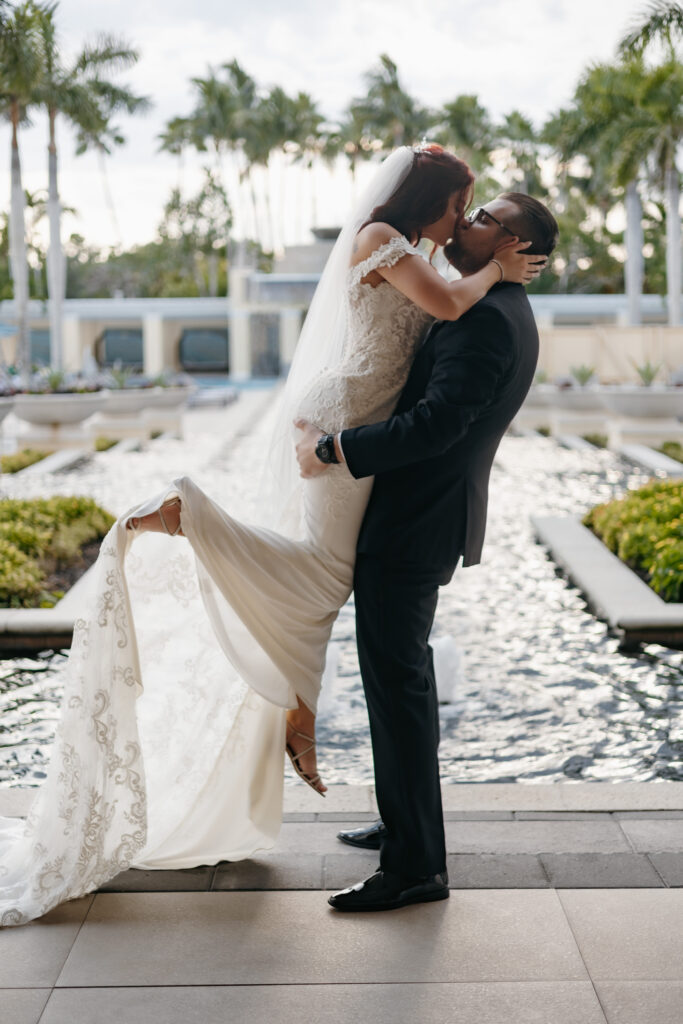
(431, 461)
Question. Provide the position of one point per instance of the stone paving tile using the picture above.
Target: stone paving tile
(535, 837)
(245, 938)
(33, 955)
(22, 1005)
(300, 816)
(635, 1002)
(648, 815)
(271, 871)
(563, 796)
(669, 866)
(478, 816)
(352, 818)
(562, 1002)
(600, 871)
(342, 870)
(299, 797)
(562, 816)
(491, 871)
(299, 837)
(648, 834)
(187, 880)
(628, 934)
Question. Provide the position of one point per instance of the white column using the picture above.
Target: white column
(633, 271)
(240, 344)
(290, 329)
(154, 359)
(72, 343)
(673, 246)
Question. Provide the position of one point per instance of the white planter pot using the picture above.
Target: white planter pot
(127, 401)
(170, 398)
(56, 410)
(653, 402)
(541, 396)
(5, 406)
(579, 399)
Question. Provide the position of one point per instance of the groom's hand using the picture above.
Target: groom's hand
(309, 463)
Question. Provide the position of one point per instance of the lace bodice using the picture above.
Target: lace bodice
(384, 331)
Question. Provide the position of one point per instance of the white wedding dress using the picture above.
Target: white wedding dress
(164, 757)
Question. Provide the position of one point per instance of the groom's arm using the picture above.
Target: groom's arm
(469, 367)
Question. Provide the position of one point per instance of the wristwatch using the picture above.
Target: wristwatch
(325, 449)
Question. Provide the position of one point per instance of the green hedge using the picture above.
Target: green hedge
(20, 460)
(39, 537)
(673, 449)
(645, 529)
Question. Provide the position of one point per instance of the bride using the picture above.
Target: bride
(188, 770)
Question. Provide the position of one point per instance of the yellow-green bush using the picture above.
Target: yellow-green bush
(103, 444)
(673, 449)
(20, 460)
(645, 530)
(40, 535)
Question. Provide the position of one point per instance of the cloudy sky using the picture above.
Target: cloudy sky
(524, 54)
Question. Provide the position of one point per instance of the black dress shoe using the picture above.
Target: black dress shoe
(370, 838)
(385, 891)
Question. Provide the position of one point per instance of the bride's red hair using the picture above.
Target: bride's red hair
(422, 196)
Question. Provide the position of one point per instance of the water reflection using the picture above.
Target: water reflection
(544, 696)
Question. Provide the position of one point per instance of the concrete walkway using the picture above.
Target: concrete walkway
(564, 910)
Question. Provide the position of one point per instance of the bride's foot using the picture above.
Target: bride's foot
(166, 519)
(300, 747)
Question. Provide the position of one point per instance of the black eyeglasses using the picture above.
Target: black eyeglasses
(480, 214)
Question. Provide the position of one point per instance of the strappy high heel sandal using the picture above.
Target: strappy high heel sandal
(311, 780)
(134, 524)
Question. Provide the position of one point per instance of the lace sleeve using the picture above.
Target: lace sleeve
(386, 255)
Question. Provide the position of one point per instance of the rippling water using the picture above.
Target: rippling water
(541, 692)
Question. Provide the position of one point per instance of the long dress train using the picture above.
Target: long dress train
(188, 769)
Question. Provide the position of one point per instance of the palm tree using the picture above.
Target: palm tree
(389, 112)
(20, 71)
(466, 126)
(662, 97)
(605, 125)
(519, 137)
(100, 133)
(66, 89)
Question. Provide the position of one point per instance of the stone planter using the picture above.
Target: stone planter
(5, 406)
(127, 401)
(579, 399)
(541, 396)
(654, 402)
(170, 398)
(58, 410)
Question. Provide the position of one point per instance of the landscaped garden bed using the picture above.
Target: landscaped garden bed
(20, 460)
(46, 544)
(645, 530)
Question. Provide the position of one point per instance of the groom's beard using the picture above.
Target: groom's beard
(465, 262)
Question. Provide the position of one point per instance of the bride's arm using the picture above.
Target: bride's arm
(423, 285)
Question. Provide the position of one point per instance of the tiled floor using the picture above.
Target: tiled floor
(556, 916)
(571, 957)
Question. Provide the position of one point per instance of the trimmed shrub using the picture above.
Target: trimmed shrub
(41, 536)
(645, 530)
(673, 449)
(20, 460)
(103, 444)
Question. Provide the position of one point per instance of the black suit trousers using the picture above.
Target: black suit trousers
(395, 605)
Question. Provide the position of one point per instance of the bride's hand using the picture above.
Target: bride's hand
(517, 266)
(309, 463)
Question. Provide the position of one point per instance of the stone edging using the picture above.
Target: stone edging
(28, 630)
(614, 593)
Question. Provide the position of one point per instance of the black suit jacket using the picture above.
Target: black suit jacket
(432, 459)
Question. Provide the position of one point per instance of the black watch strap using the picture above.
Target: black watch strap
(325, 449)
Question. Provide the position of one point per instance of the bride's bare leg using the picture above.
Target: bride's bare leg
(302, 720)
(165, 520)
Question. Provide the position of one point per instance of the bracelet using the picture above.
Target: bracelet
(500, 268)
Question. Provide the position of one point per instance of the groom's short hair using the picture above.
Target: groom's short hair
(535, 224)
